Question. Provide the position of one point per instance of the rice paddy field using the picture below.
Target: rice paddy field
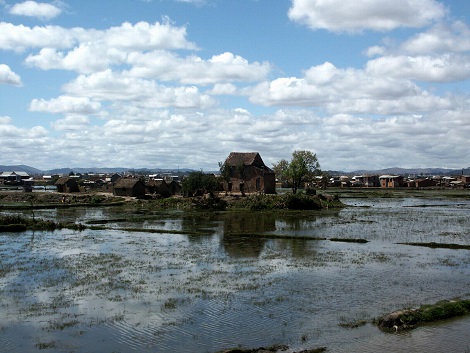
(145, 280)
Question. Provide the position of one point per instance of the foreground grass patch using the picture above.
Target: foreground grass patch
(411, 318)
(16, 223)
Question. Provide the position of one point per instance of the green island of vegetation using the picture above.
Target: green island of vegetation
(408, 319)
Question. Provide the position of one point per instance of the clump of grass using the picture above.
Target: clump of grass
(287, 202)
(409, 319)
(45, 345)
(16, 223)
(353, 324)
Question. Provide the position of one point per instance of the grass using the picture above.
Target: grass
(16, 223)
(286, 201)
(412, 318)
(45, 345)
(353, 324)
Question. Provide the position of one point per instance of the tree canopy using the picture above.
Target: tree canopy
(199, 182)
(302, 168)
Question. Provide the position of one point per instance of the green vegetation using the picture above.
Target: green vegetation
(199, 183)
(16, 223)
(303, 168)
(409, 319)
(354, 324)
(287, 201)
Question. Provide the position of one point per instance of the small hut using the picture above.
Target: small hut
(67, 184)
(129, 187)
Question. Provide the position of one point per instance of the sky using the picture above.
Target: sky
(364, 84)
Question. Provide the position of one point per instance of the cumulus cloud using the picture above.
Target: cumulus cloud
(160, 64)
(225, 67)
(112, 86)
(15, 139)
(441, 38)
(71, 123)
(224, 89)
(66, 105)
(346, 90)
(86, 58)
(359, 15)
(129, 37)
(9, 77)
(442, 68)
(34, 9)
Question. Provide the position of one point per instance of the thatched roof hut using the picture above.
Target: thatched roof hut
(129, 187)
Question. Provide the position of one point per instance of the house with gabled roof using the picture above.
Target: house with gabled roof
(132, 187)
(248, 174)
(67, 184)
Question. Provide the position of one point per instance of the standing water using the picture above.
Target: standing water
(188, 282)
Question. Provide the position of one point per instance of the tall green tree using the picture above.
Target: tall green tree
(302, 168)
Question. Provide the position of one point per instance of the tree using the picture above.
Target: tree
(301, 169)
(280, 169)
(199, 182)
(224, 168)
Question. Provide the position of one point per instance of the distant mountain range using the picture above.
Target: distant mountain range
(101, 170)
(97, 170)
(415, 171)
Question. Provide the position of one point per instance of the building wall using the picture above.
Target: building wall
(254, 179)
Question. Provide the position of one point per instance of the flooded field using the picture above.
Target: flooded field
(148, 281)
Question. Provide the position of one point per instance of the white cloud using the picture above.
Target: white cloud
(225, 67)
(158, 138)
(160, 64)
(443, 68)
(86, 58)
(9, 77)
(224, 89)
(111, 86)
(141, 36)
(5, 120)
(441, 38)
(72, 123)
(359, 15)
(346, 90)
(34, 9)
(66, 105)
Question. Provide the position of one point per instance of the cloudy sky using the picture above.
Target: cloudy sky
(364, 84)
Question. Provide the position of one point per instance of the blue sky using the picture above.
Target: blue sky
(367, 84)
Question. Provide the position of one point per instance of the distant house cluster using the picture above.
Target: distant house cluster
(242, 173)
(128, 185)
(399, 181)
(14, 178)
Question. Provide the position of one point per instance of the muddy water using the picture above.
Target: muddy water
(208, 282)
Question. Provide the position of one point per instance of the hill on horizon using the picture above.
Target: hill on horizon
(104, 170)
(63, 171)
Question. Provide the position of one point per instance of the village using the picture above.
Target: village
(247, 173)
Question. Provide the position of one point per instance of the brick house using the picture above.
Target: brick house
(249, 174)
